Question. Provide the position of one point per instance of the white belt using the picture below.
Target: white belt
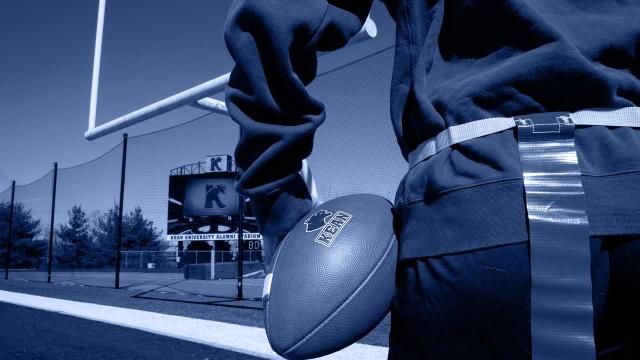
(629, 117)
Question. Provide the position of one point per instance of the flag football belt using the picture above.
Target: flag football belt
(561, 291)
(629, 116)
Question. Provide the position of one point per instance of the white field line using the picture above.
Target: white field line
(252, 274)
(238, 338)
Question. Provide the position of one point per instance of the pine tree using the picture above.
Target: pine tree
(74, 248)
(104, 234)
(140, 233)
(26, 249)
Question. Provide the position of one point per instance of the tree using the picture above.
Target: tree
(104, 236)
(138, 233)
(74, 248)
(26, 249)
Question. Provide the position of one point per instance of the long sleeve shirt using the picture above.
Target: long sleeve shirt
(455, 62)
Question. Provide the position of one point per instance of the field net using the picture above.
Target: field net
(31, 219)
(355, 151)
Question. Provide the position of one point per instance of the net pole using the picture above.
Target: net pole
(240, 245)
(10, 231)
(51, 224)
(125, 138)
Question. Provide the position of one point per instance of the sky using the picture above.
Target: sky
(151, 50)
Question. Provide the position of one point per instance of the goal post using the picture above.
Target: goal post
(186, 97)
(97, 55)
(197, 96)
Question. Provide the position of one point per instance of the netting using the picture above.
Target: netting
(5, 201)
(5, 195)
(187, 269)
(151, 158)
(171, 249)
(31, 219)
(355, 150)
(86, 201)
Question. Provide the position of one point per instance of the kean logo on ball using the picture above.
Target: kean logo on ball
(318, 220)
(332, 228)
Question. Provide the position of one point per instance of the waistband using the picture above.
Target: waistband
(628, 116)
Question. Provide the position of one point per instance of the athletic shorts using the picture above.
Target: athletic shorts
(476, 304)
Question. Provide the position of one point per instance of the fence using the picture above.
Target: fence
(174, 261)
(355, 151)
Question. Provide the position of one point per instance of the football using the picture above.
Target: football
(332, 278)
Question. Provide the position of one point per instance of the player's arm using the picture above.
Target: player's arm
(274, 44)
